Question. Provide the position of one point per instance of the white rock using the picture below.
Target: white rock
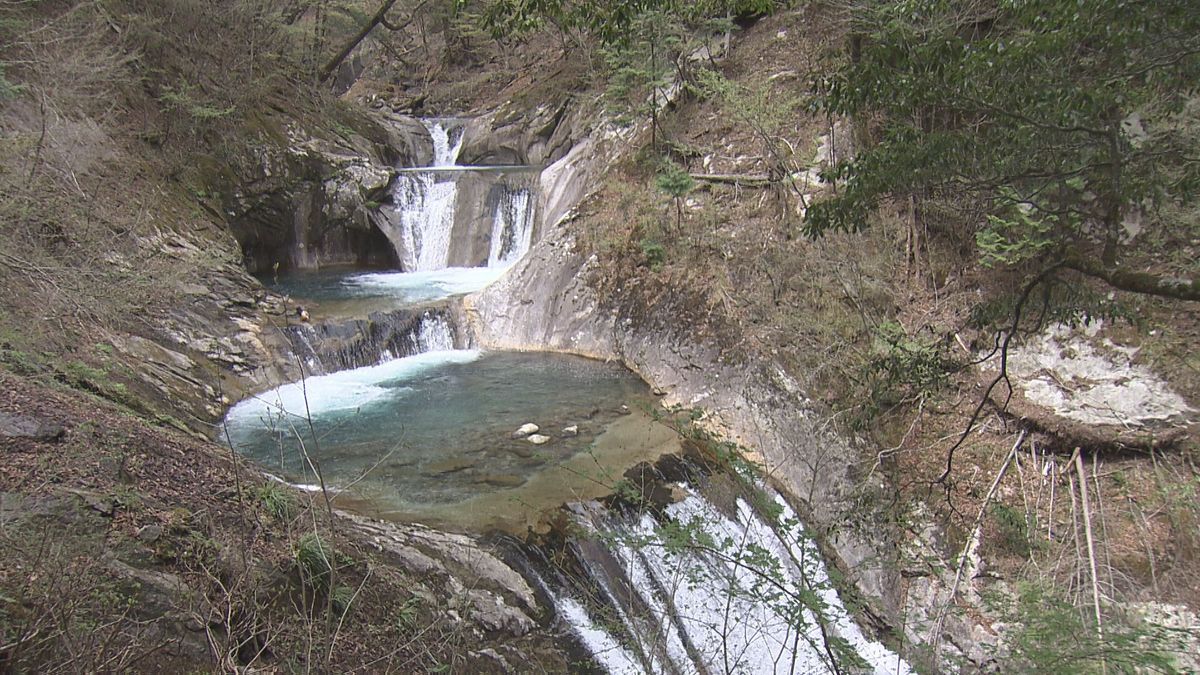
(1084, 378)
(538, 439)
(525, 430)
(572, 430)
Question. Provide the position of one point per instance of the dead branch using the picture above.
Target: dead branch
(1091, 546)
(973, 541)
(751, 180)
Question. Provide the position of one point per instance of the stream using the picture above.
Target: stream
(408, 422)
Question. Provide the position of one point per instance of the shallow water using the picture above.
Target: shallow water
(428, 437)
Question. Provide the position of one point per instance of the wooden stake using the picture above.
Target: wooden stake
(1091, 547)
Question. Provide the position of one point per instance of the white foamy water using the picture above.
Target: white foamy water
(344, 390)
(433, 335)
(422, 217)
(447, 142)
(609, 653)
(427, 285)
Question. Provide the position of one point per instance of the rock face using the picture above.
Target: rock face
(482, 592)
(508, 136)
(1088, 380)
(310, 200)
(342, 344)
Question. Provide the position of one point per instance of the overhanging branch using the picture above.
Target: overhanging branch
(1177, 288)
(378, 18)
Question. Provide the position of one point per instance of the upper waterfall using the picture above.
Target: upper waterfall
(449, 215)
(447, 135)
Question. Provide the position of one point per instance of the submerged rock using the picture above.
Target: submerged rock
(451, 465)
(501, 479)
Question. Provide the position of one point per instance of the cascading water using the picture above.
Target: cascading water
(704, 591)
(433, 335)
(512, 232)
(332, 346)
(423, 430)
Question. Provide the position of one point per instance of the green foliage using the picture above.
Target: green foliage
(277, 500)
(674, 180)
(182, 97)
(8, 89)
(409, 613)
(654, 252)
(342, 598)
(315, 560)
(1060, 106)
(903, 367)
(677, 183)
(1012, 529)
(1051, 635)
(1021, 233)
(126, 498)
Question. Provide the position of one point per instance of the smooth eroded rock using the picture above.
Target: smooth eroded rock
(538, 439)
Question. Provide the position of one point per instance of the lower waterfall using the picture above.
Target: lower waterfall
(701, 588)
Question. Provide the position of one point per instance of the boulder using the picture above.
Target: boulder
(22, 426)
(538, 439)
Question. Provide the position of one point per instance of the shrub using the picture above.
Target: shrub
(654, 252)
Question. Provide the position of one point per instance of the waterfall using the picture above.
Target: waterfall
(709, 589)
(436, 215)
(423, 214)
(433, 334)
(512, 230)
(332, 346)
(447, 138)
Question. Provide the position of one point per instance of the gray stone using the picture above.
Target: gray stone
(149, 533)
(501, 479)
(22, 426)
(450, 465)
(101, 505)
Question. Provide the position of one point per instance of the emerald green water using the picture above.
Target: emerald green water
(429, 437)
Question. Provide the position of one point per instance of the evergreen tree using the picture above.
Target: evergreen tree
(1058, 119)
